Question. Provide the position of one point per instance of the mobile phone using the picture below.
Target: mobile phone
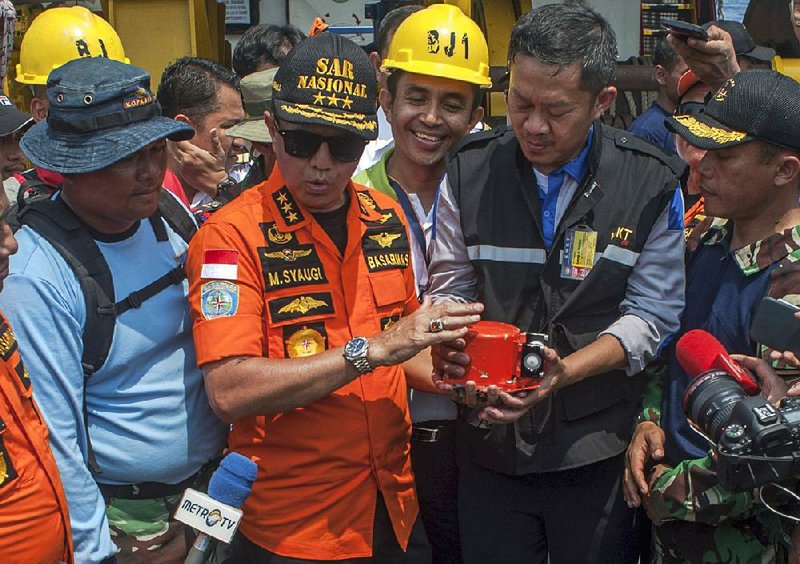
(685, 29)
(775, 325)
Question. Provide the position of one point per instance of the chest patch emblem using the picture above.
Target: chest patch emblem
(302, 305)
(305, 341)
(295, 307)
(385, 239)
(289, 255)
(278, 237)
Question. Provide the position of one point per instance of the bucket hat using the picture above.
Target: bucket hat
(257, 99)
(101, 111)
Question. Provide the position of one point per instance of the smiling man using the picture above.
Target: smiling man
(432, 100)
(99, 264)
(304, 309)
(564, 226)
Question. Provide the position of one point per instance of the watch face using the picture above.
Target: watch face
(355, 347)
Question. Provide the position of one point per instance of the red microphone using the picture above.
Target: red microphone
(699, 351)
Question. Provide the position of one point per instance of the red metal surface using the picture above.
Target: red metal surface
(495, 349)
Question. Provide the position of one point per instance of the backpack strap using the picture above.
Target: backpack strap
(59, 226)
(181, 222)
(176, 216)
(31, 189)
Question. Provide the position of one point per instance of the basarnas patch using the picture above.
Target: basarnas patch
(219, 299)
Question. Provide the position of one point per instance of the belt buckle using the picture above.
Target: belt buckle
(425, 434)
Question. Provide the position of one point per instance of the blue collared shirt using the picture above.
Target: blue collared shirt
(549, 191)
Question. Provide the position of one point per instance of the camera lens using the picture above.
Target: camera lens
(709, 400)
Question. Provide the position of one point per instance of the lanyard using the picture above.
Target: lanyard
(411, 216)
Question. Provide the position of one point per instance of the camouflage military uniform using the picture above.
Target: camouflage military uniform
(696, 520)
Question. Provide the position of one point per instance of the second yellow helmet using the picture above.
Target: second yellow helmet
(59, 35)
(440, 41)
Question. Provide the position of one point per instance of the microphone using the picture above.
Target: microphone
(699, 351)
(216, 516)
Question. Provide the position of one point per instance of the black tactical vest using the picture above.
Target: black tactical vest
(628, 186)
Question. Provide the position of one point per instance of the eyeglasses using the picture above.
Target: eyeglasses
(303, 144)
(689, 109)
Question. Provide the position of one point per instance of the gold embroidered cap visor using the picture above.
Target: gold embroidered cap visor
(362, 125)
(328, 80)
(705, 132)
(754, 104)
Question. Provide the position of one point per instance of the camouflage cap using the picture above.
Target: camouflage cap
(257, 99)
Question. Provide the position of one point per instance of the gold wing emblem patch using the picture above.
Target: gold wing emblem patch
(303, 305)
(289, 255)
(385, 239)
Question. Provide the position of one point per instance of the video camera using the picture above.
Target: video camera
(756, 443)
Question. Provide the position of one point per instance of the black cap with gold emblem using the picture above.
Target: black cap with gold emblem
(328, 80)
(754, 104)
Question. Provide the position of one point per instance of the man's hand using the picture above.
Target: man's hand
(513, 406)
(713, 61)
(647, 443)
(450, 361)
(787, 357)
(412, 334)
(773, 388)
(200, 169)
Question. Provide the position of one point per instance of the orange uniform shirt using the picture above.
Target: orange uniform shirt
(34, 523)
(266, 280)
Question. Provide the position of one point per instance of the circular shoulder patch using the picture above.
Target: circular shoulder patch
(219, 299)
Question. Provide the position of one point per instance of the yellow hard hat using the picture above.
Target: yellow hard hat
(59, 35)
(440, 41)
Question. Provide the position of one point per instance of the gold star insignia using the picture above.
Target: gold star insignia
(287, 207)
(333, 100)
(347, 103)
(291, 217)
(319, 98)
(282, 197)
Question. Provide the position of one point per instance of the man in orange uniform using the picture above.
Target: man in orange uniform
(304, 307)
(34, 524)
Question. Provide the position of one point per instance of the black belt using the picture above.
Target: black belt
(152, 490)
(431, 431)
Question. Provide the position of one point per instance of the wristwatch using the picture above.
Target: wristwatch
(355, 351)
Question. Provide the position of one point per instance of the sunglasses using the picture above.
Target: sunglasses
(303, 144)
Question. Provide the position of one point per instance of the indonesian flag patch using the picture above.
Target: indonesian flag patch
(220, 264)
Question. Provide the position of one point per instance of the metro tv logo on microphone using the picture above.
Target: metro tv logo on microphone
(208, 515)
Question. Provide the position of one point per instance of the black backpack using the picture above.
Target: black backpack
(59, 225)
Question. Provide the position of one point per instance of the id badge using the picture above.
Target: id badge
(580, 244)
